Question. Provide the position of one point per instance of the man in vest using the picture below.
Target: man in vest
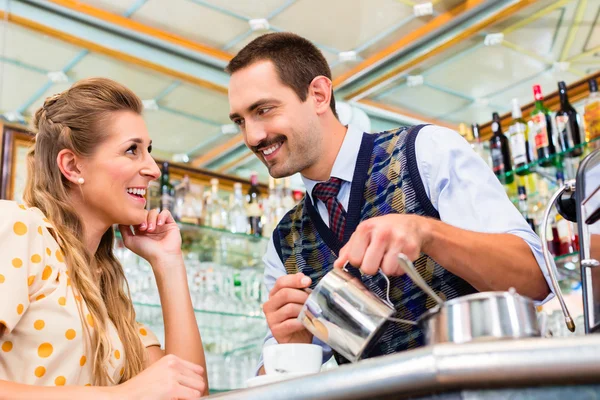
(420, 191)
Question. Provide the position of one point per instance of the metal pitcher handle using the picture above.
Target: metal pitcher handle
(411, 271)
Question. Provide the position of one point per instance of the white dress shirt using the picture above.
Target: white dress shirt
(460, 185)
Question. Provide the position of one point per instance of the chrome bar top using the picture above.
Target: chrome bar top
(445, 367)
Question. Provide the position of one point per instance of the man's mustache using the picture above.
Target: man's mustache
(268, 143)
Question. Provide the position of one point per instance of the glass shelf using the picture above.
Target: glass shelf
(552, 161)
(208, 312)
(571, 257)
(184, 226)
(225, 276)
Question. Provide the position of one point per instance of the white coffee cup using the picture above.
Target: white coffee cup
(292, 358)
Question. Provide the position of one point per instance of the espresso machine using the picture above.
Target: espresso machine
(578, 200)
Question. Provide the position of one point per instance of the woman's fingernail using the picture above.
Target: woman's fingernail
(143, 226)
(150, 227)
(305, 281)
(159, 223)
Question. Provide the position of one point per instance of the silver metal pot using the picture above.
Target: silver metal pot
(343, 313)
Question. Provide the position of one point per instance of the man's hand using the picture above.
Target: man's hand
(283, 307)
(377, 241)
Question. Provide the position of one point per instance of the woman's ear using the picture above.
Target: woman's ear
(69, 165)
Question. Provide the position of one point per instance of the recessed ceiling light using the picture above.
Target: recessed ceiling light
(493, 39)
(150, 104)
(346, 56)
(561, 66)
(229, 129)
(259, 24)
(14, 116)
(58, 77)
(414, 80)
(423, 9)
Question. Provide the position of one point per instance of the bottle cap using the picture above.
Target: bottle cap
(537, 93)
(516, 109)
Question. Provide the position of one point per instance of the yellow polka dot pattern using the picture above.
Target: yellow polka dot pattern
(36, 258)
(59, 256)
(22, 207)
(90, 320)
(60, 381)
(62, 301)
(20, 309)
(17, 262)
(39, 324)
(2, 278)
(117, 354)
(122, 371)
(82, 361)
(70, 334)
(47, 272)
(40, 230)
(30, 280)
(48, 251)
(143, 332)
(41, 296)
(20, 228)
(40, 371)
(7, 346)
(45, 350)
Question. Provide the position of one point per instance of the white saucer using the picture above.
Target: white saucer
(266, 379)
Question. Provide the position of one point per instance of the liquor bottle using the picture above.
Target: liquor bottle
(253, 206)
(238, 221)
(524, 206)
(218, 213)
(270, 208)
(478, 145)
(500, 150)
(153, 198)
(166, 189)
(519, 140)
(568, 124)
(592, 112)
(542, 129)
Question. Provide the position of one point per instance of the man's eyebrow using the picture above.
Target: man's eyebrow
(254, 106)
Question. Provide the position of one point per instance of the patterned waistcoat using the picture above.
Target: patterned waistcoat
(386, 181)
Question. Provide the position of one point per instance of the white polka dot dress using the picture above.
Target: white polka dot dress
(44, 338)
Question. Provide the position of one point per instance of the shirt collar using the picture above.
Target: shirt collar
(345, 162)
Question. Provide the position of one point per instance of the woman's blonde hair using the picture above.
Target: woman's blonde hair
(79, 119)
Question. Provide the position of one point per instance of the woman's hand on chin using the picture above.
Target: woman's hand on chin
(157, 239)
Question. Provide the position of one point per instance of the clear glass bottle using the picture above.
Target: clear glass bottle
(479, 146)
(238, 221)
(519, 140)
(254, 211)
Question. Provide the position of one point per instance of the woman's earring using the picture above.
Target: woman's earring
(81, 181)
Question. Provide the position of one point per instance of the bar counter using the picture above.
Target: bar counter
(532, 368)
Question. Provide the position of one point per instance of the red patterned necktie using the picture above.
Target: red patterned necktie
(327, 192)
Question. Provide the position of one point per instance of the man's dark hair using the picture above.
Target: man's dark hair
(296, 60)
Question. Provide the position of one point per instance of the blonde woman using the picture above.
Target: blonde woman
(66, 317)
